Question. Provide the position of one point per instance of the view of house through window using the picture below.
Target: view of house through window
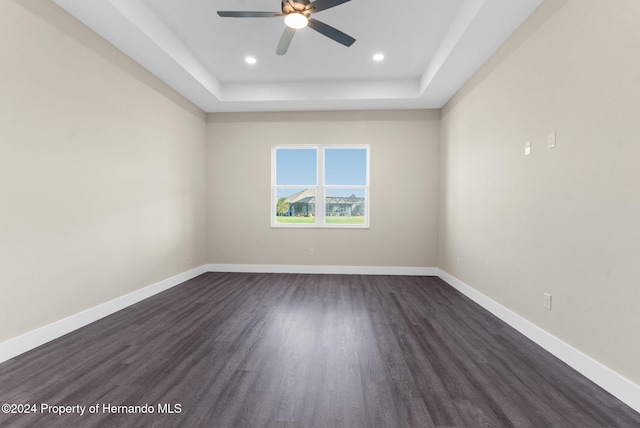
(322, 186)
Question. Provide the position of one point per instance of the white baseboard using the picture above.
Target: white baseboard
(28, 341)
(617, 385)
(332, 270)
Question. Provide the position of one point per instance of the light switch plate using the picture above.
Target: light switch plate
(547, 301)
(551, 140)
(527, 148)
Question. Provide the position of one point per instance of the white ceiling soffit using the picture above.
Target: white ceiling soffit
(431, 48)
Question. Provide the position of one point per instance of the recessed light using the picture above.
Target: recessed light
(250, 60)
(378, 57)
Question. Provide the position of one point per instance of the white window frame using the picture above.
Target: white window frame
(320, 188)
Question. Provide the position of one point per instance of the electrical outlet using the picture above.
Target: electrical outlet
(547, 301)
(310, 252)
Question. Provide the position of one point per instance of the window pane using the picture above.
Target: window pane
(345, 166)
(296, 167)
(296, 206)
(345, 206)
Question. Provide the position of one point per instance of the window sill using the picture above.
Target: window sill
(319, 226)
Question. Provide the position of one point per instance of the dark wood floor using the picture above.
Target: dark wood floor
(277, 350)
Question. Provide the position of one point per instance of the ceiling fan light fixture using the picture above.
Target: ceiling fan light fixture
(296, 20)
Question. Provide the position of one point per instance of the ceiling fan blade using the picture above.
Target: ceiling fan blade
(319, 5)
(285, 41)
(227, 14)
(331, 32)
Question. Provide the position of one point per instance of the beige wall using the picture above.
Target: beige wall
(404, 188)
(565, 220)
(102, 171)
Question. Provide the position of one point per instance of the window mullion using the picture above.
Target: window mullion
(320, 192)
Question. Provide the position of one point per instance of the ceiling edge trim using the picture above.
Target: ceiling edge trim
(458, 28)
(157, 32)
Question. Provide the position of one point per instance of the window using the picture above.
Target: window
(320, 186)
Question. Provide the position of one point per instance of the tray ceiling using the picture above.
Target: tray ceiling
(430, 48)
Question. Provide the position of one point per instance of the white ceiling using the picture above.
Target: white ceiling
(431, 48)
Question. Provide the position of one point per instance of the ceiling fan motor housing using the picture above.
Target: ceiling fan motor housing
(294, 6)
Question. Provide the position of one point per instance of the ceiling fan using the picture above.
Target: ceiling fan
(296, 16)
